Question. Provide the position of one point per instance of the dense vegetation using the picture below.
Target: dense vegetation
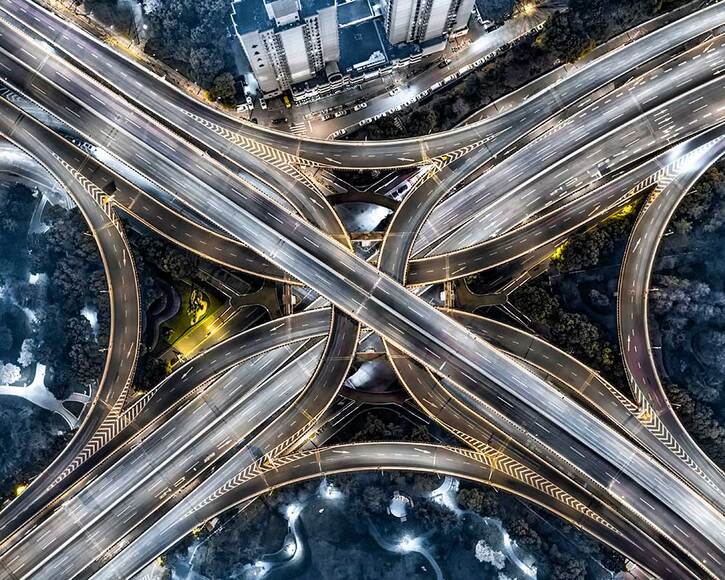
(191, 35)
(159, 265)
(30, 438)
(188, 35)
(59, 336)
(573, 332)
(65, 341)
(574, 306)
(687, 302)
(42, 322)
(16, 209)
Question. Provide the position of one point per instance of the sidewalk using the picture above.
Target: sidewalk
(485, 43)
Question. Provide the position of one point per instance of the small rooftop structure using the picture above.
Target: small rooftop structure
(398, 507)
(362, 46)
(250, 15)
(353, 12)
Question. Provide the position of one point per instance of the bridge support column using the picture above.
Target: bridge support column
(450, 294)
(288, 299)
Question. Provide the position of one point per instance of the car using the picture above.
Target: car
(444, 63)
(338, 133)
(399, 192)
(341, 114)
(436, 86)
(243, 108)
(360, 107)
(263, 104)
(286, 101)
(249, 100)
(325, 117)
(279, 121)
(365, 121)
(395, 91)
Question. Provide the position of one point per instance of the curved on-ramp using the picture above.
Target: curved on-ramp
(301, 466)
(672, 184)
(115, 382)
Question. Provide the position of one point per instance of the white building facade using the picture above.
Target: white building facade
(286, 41)
(419, 21)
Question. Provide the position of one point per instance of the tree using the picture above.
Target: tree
(571, 569)
(577, 335)
(480, 501)
(151, 251)
(375, 500)
(6, 338)
(422, 122)
(526, 537)
(9, 374)
(223, 89)
(536, 303)
(191, 34)
(485, 553)
(599, 298)
(26, 357)
(85, 359)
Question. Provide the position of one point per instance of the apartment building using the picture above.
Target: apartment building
(286, 41)
(420, 21)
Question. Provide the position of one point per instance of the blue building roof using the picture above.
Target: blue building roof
(353, 11)
(312, 7)
(250, 15)
(358, 43)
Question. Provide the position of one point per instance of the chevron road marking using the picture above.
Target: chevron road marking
(115, 421)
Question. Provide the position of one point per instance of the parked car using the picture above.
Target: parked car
(360, 107)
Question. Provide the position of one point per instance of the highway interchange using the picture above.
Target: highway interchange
(243, 196)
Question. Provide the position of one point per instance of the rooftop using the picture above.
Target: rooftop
(250, 15)
(310, 7)
(359, 43)
(353, 11)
